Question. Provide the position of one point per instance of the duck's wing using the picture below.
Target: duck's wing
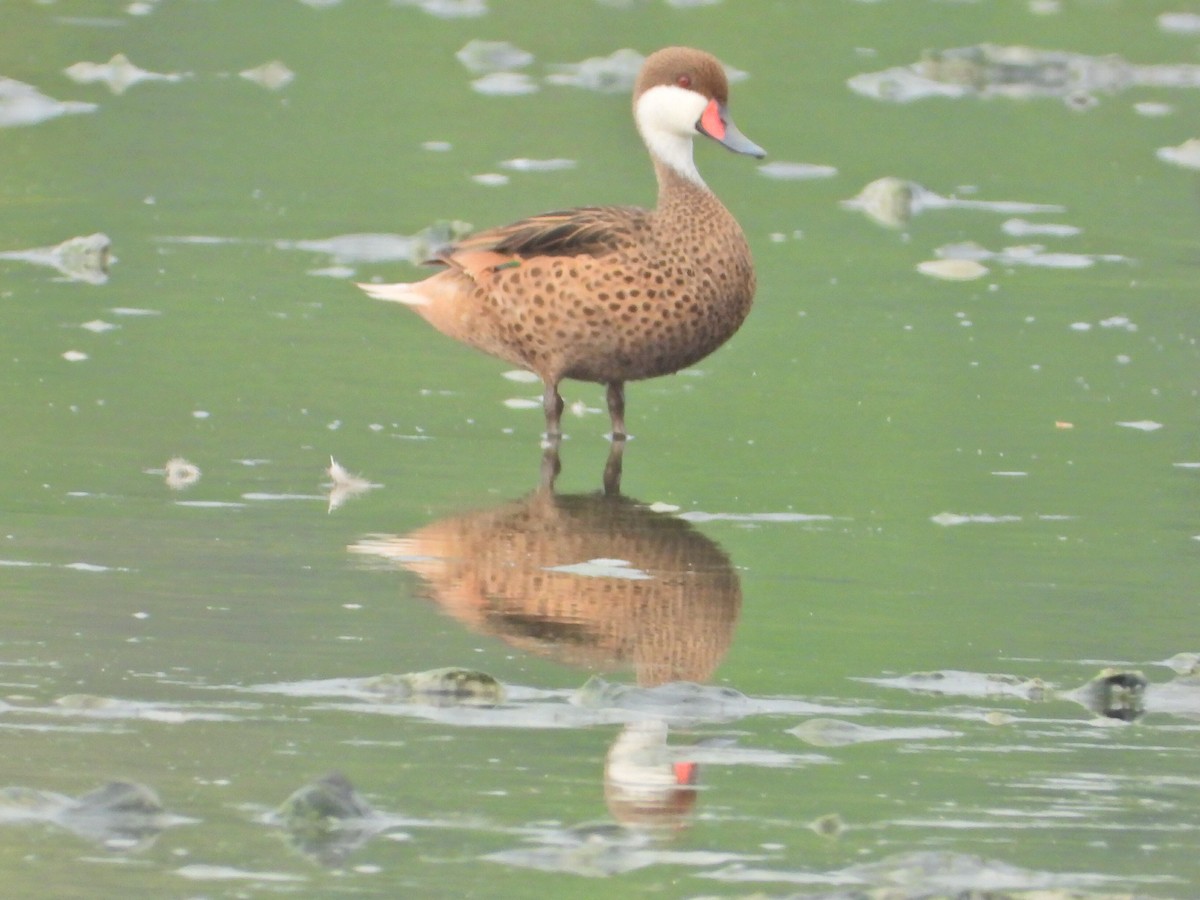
(585, 231)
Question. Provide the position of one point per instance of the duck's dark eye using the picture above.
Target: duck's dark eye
(684, 81)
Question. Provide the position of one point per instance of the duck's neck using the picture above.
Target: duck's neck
(672, 155)
(666, 118)
(676, 188)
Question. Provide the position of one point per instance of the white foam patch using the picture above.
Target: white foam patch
(602, 568)
(1142, 425)
(948, 518)
(523, 376)
(698, 516)
(796, 171)
(200, 872)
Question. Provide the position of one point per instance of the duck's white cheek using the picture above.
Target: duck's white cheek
(670, 108)
(666, 117)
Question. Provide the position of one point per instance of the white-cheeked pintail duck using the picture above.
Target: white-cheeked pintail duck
(609, 293)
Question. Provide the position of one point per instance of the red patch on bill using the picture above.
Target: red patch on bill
(685, 773)
(711, 121)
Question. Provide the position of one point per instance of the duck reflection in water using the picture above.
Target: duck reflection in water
(599, 581)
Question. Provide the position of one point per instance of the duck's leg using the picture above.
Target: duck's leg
(616, 408)
(612, 469)
(552, 403)
(551, 466)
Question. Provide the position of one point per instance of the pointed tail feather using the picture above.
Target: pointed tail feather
(396, 293)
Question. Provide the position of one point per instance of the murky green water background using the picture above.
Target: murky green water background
(882, 474)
